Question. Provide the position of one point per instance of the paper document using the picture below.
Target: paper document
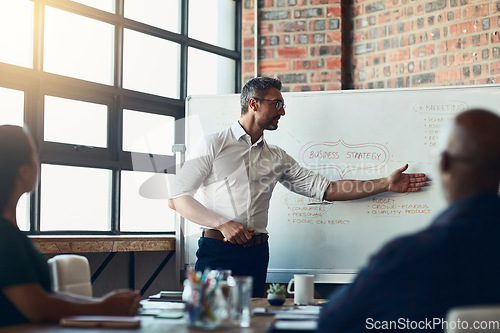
(294, 326)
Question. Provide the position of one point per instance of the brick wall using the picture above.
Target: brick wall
(395, 43)
(299, 42)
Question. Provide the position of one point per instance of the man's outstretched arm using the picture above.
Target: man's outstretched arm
(397, 181)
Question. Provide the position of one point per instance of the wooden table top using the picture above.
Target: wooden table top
(150, 324)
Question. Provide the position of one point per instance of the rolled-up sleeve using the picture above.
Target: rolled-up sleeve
(304, 181)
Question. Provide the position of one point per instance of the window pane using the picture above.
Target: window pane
(11, 106)
(74, 198)
(159, 13)
(209, 73)
(219, 29)
(16, 32)
(78, 46)
(106, 5)
(138, 213)
(75, 122)
(22, 213)
(148, 133)
(150, 64)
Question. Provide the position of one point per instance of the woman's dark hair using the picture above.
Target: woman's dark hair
(15, 150)
(256, 87)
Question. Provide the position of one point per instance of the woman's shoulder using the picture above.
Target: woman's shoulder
(10, 236)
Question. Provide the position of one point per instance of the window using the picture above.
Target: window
(209, 73)
(148, 133)
(12, 107)
(102, 85)
(77, 46)
(144, 205)
(74, 198)
(150, 64)
(159, 13)
(219, 28)
(75, 122)
(16, 31)
(106, 5)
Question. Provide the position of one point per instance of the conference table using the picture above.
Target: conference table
(151, 324)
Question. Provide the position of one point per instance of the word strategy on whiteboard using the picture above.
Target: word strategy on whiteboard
(344, 157)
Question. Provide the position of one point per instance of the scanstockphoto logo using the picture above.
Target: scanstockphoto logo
(275, 172)
(431, 324)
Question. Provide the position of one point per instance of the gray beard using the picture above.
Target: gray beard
(268, 126)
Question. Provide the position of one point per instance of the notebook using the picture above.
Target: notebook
(167, 296)
(100, 321)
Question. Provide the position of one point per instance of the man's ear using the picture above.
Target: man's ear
(253, 104)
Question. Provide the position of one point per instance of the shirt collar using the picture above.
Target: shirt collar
(239, 133)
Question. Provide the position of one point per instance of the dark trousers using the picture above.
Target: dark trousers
(241, 260)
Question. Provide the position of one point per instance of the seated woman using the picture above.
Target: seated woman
(25, 294)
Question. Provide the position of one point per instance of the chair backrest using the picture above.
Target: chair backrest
(471, 319)
(71, 274)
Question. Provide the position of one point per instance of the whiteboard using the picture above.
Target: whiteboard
(355, 134)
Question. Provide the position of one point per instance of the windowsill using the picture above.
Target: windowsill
(106, 244)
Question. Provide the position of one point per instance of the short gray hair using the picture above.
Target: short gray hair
(256, 87)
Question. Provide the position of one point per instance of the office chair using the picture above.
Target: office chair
(70, 273)
(471, 319)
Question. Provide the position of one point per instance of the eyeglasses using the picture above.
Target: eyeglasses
(279, 104)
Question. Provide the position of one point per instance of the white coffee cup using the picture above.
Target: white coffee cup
(303, 292)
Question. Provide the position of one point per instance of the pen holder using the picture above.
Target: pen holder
(206, 306)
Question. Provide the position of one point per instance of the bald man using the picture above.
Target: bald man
(412, 282)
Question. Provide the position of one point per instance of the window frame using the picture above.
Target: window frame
(36, 84)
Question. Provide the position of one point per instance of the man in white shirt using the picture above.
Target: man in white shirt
(237, 170)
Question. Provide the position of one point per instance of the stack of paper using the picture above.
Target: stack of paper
(298, 319)
(162, 309)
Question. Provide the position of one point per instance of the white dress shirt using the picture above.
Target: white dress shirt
(237, 177)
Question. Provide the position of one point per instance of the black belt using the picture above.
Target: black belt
(255, 240)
